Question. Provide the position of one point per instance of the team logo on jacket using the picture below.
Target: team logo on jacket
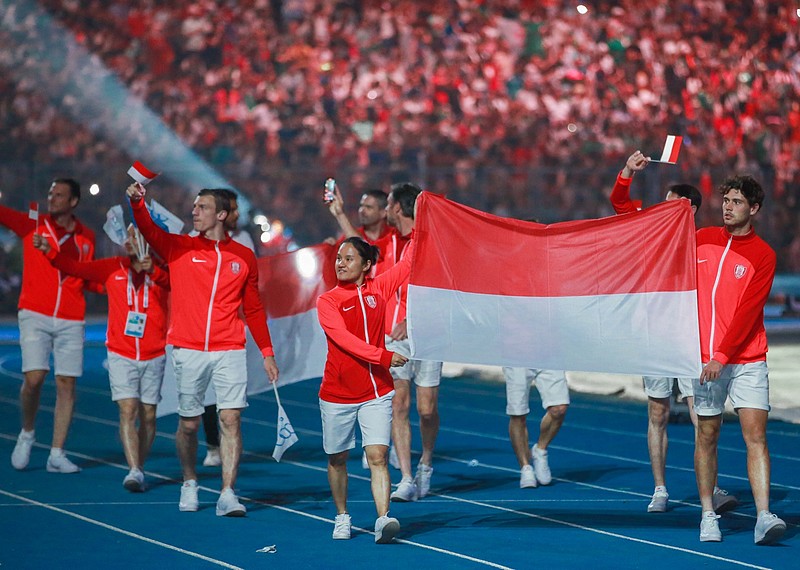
(371, 301)
(739, 271)
(235, 267)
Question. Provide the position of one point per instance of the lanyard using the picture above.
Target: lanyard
(132, 290)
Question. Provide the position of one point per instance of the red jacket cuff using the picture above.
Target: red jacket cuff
(386, 358)
(721, 358)
(267, 351)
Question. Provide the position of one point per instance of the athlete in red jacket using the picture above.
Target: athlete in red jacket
(136, 336)
(211, 277)
(357, 385)
(51, 312)
(735, 269)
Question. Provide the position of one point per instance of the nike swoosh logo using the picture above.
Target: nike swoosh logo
(701, 260)
(194, 259)
(119, 278)
(348, 308)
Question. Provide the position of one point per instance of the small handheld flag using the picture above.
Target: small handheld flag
(141, 173)
(672, 148)
(33, 214)
(115, 225)
(286, 436)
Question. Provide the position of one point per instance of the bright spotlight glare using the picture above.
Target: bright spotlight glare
(259, 219)
(572, 127)
(265, 227)
(582, 9)
(94, 189)
(306, 264)
(265, 237)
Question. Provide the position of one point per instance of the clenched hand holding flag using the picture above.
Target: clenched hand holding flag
(614, 295)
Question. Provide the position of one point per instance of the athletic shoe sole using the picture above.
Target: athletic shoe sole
(388, 532)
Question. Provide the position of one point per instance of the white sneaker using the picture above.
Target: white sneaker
(527, 478)
(769, 528)
(212, 458)
(540, 466)
(341, 528)
(423, 480)
(22, 451)
(658, 504)
(229, 506)
(189, 501)
(723, 502)
(406, 491)
(134, 481)
(393, 459)
(709, 527)
(59, 463)
(386, 528)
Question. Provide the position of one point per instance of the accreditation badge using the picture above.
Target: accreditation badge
(134, 326)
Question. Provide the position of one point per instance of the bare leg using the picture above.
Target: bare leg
(65, 402)
(147, 430)
(705, 458)
(518, 434)
(337, 479)
(754, 431)
(401, 428)
(658, 417)
(186, 442)
(379, 477)
(428, 409)
(230, 445)
(128, 412)
(550, 424)
(29, 394)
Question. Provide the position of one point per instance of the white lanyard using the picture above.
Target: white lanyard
(58, 242)
(132, 289)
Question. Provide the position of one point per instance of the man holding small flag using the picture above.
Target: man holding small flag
(51, 316)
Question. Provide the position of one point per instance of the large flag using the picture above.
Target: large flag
(615, 295)
(289, 285)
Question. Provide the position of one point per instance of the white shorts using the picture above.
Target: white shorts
(41, 335)
(140, 379)
(425, 373)
(661, 387)
(339, 423)
(747, 385)
(194, 369)
(551, 384)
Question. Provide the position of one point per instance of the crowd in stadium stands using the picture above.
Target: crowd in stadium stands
(520, 107)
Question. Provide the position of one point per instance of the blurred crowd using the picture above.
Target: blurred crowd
(524, 108)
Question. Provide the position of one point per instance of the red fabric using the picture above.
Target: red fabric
(621, 196)
(210, 281)
(44, 291)
(644, 252)
(357, 367)
(743, 279)
(392, 248)
(113, 273)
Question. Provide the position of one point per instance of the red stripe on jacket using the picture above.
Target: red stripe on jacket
(357, 367)
(44, 290)
(210, 280)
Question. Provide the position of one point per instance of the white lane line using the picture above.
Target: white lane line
(119, 530)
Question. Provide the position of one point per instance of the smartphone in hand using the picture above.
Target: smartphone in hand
(328, 196)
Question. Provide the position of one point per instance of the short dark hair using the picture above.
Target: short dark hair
(222, 199)
(72, 184)
(366, 250)
(380, 196)
(687, 191)
(747, 185)
(232, 196)
(405, 194)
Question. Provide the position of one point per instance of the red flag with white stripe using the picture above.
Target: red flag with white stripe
(141, 174)
(33, 211)
(613, 295)
(672, 147)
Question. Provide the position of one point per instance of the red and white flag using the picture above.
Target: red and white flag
(615, 295)
(141, 173)
(33, 211)
(288, 285)
(672, 147)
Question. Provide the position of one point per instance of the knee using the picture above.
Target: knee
(557, 412)
(188, 427)
(339, 460)
(400, 404)
(65, 385)
(128, 413)
(707, 432)
(376, 455)
(229, 420)
(427, 410)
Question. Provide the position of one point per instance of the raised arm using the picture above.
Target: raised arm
(164, 243)
(620, 194)
(336, 208)
(17, 222)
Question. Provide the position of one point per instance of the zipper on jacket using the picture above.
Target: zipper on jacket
(213, 294)
(366, 338)
(714, 300)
